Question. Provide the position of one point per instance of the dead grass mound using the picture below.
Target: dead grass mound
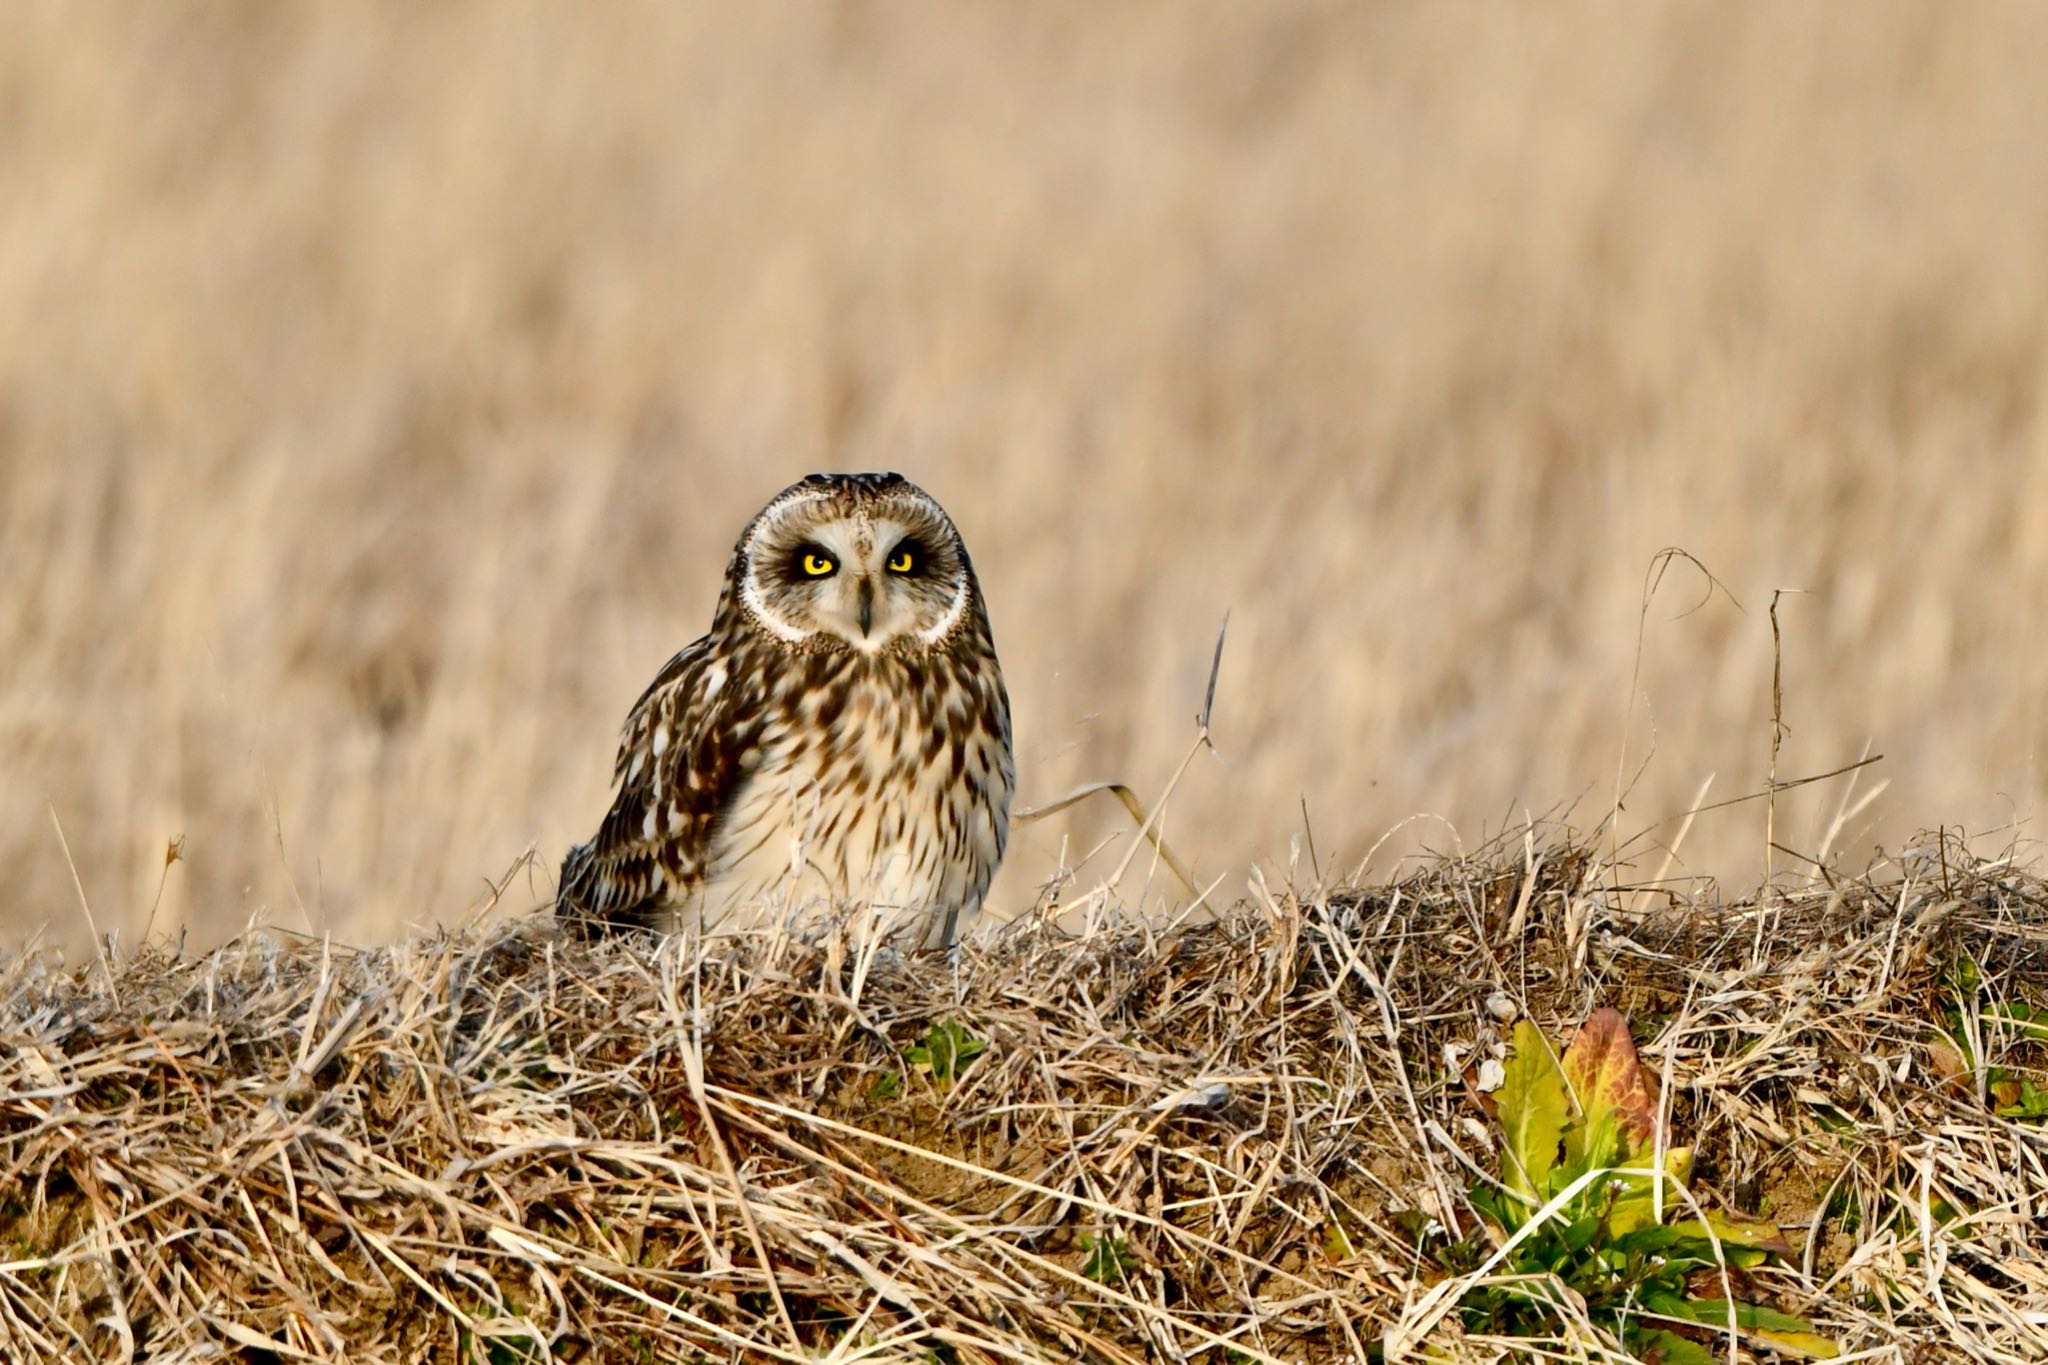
(503, 1144)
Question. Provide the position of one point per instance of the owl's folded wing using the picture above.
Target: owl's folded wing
(681, 758)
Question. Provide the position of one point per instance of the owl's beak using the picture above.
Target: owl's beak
(867, 604)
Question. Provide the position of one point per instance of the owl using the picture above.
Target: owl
(839, 741)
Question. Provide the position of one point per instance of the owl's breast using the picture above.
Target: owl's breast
(875, 789)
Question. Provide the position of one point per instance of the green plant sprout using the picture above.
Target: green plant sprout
(1588, 1218)
(943, 1051)
(1109, 1259)
(1970, 1033)
(517, 1349)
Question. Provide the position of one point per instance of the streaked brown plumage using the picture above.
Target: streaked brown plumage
(839, 740)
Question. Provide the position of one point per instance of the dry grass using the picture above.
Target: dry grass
(381, 387)
(500, 1143)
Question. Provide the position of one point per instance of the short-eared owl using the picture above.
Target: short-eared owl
(840, 739)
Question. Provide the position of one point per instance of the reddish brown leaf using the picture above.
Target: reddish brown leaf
(1606, 1076)
(1947, 1063)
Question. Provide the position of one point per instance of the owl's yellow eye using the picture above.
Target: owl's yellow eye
(902, 561)
(817, 565)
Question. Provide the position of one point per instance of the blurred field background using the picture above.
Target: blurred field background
(382, 388)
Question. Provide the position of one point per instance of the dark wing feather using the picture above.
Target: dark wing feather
(686, 746)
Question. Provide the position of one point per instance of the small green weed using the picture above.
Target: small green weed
(514, 1349)
(1578, 1212)
(943, 1052)
(1973, 1031)
(1109, 1259)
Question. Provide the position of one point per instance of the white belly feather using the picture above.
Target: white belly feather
(858, 816)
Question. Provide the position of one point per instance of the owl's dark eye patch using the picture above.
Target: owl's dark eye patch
(907, 559)
(811, 560)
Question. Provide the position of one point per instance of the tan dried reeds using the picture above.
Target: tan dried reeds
(1209, 1143)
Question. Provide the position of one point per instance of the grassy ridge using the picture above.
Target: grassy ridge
(502, 1144)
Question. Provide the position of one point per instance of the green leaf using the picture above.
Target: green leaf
(1654, 1239)
(1743, 1243)
(1337, 1242)
(1635, 1206)
(2032, 1103)
(945, 1049)
(1780, 1330)
(1656, 1346)
(1580, 1234)
(1532, 1110)
(1595, 1141)
(1808, 1344)
(1749, 1233)
(1109, 1259)
(2023, 1018)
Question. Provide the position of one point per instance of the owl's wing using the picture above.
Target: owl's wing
(681, 757)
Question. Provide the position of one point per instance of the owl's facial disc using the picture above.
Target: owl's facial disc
(870, 579)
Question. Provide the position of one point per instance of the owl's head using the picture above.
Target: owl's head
(862, 561)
